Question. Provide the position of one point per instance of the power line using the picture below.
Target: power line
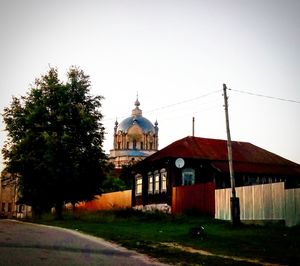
(265, 96)
(182, 102)
(173, 104)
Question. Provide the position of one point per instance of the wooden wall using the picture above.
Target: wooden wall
(199, 197)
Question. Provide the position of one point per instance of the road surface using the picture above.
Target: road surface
(32, 244)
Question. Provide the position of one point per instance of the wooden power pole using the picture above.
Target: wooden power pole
(234, 201)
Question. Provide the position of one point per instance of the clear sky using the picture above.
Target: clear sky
(175, 54)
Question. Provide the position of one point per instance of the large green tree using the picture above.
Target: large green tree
(55, 139)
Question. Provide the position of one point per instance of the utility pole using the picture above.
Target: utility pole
(234, 201)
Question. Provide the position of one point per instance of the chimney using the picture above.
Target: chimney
(193, 127)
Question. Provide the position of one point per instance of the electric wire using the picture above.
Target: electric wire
(265, 96)
(170, 105)
(203, 96)
(182, 102)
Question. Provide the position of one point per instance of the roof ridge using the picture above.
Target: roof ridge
(216, 150)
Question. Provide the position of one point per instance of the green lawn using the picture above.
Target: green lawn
(167, 238)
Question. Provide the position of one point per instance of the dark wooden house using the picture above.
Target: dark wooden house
(193, 160)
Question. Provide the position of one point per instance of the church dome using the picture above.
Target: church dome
(136, 118)
(140, 121)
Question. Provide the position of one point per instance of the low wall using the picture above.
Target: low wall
(108, 201)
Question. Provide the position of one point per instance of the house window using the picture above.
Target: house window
(9, 207)
(21, 208)
(3, 206)
(138, 185)
(188, 177)
(156, 182)
(150, 183)
(163, 174)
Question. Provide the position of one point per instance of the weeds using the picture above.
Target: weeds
(149, 232)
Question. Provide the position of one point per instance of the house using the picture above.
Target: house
(8, 195)
(9, 206)
(195, 161)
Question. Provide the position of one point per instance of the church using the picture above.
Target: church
(135, 138)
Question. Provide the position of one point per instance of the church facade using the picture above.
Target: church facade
(135, 138)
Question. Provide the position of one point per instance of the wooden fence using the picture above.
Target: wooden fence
(261, 202)
(199, 197)
(108, 201)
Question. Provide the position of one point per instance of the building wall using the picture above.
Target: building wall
(8, 201)
(132, 145)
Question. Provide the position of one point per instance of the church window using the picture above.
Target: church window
(156, 182)
(138, 185)
(119, 145)
(142, 145)
(163, 173)
(127, 145)
(9, 207)
(134, 144)
(188, 177)
(151, 144)
(3, 206)
(150, 183)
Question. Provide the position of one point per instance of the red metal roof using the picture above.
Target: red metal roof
(247, 158)
(258, 168)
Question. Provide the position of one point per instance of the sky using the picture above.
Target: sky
(176, 55)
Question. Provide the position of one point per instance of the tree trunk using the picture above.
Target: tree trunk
(73, 207)
(58, 210)
(36, 212)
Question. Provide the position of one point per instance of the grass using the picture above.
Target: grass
(167, 237)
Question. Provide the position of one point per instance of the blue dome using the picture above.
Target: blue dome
(139, 120)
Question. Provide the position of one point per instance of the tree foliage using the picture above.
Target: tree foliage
(119, 179)
(127, 174)
(55, 139)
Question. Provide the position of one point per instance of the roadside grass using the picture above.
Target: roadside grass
(167, 237)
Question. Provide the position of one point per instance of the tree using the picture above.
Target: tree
(119, 179)
(127, 173)
(55, 139)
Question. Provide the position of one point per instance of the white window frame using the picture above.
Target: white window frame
(150, 183)
(163, 177)
(156, 182)
(138, 185)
